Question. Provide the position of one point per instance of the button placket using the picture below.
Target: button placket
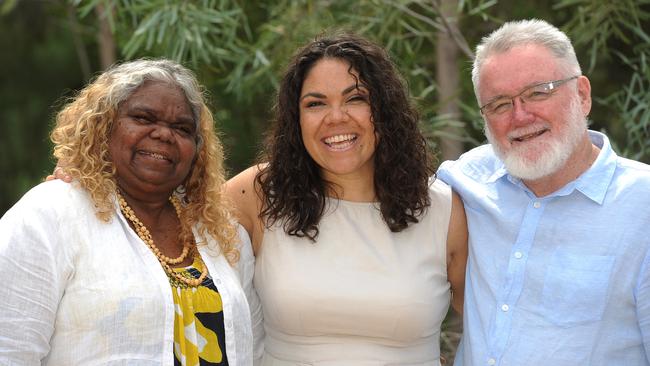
(513, 280)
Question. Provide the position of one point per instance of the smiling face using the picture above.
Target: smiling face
(153, 140)
(534, 139)
(336, 121)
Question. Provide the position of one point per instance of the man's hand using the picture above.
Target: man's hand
(59, 173)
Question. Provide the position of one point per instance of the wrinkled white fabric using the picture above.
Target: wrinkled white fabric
(80, 291)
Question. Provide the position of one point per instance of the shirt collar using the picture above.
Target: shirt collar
(593, 183)
(500, 171)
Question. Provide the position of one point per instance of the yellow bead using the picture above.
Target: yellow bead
(145, 236)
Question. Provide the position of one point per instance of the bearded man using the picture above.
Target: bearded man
(559, 261)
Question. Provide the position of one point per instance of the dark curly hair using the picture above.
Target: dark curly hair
(292, 188)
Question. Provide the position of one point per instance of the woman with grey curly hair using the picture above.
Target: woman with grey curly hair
(135, 261)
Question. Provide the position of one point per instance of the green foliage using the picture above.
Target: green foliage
(7, 6)
(38, 68)
(596, 23)
(205, 31)
(633, 101)
(616, 32)
(239, 49)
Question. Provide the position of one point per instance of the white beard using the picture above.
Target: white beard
(539, 159)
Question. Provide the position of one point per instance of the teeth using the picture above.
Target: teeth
(339, 138)
(156, 155)
(529, 135)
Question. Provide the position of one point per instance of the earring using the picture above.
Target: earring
(180, 190)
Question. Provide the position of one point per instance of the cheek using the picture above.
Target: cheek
(498, 131)
(374, 137)
(122, 136)
(306, 123)
(114, 147)
(306, 130)
(363, 116)
(190, 153)
(361, 113)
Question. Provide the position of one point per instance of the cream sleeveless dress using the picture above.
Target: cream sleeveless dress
(361, 294)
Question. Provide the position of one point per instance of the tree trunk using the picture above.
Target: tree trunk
(447, 75)
(79, 46)
(105, 38)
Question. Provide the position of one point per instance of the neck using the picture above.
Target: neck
(579, 161)
(352, 188)
(149, 208)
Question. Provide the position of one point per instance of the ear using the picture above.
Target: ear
(584, 92)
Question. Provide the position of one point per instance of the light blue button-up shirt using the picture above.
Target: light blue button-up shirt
(557, 280)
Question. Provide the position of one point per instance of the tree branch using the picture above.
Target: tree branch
(453, 31)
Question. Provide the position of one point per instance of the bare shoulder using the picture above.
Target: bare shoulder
(243, 184)
(241, 189)
(246, 198)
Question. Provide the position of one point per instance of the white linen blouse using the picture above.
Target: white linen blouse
(76, 290)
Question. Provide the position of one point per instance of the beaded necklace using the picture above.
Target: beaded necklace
(165, 262)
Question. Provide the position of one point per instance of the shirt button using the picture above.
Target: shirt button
(537, 204)
(229, 325)
(518, 255)
(217, 281)
(492, 361)
(505, 307)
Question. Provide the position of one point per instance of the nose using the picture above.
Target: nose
(338, 114)
(162, 132)
(520, 113)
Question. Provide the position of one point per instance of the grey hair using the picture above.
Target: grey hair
(516, 33)
(123, 80)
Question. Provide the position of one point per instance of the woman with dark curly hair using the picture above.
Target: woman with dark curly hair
(357, 246)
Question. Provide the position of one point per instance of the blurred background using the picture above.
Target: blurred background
(50, 49)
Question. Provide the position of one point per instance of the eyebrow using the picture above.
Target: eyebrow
(537, 83)
(344, 92)
(182, 118)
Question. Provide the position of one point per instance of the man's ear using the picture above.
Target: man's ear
(584, 92)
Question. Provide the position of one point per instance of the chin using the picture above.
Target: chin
(532, 169)
(544, 157)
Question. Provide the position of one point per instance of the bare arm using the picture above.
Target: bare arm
(241, 191)
(457, 252)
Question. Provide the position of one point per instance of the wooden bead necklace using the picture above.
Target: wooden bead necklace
(165, 261)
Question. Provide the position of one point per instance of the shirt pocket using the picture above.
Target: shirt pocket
(575, 288)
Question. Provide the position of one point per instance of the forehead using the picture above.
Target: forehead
(521, 66)
(158, 94)
(329, 73)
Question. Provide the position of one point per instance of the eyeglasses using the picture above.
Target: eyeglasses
(532, 94)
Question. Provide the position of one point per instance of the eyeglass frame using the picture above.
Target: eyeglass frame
(551, 86)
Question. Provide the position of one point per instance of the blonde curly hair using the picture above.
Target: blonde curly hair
(81, 137)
